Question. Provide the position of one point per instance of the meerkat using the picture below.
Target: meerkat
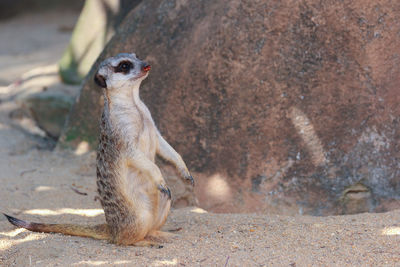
(133, 193)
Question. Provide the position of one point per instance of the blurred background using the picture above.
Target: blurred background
(288, 107)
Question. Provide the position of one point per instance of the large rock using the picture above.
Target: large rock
(281, 106)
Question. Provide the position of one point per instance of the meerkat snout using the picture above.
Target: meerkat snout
(116, 71)
(146, 67)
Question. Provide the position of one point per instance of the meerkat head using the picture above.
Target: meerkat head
(120, 71)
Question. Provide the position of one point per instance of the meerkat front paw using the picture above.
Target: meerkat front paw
(165, 190)
(187, 176)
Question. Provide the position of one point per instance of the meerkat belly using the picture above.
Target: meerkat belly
(140, 191)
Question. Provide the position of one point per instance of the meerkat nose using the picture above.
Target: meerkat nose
(146, 67)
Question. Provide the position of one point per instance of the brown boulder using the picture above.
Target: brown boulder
(277, 106)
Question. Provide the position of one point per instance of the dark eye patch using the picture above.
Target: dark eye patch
(124, 67)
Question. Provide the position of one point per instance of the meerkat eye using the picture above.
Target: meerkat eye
(124, 67)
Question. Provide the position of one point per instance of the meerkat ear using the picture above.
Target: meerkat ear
(100, 81)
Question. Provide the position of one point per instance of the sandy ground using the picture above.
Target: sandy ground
(45, 186)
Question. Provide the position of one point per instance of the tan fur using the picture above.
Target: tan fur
(132, 190)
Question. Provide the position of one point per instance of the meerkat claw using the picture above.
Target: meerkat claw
(185, 174)
(190, 178)
(165, 190)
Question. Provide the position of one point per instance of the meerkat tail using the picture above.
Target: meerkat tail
(100, 231)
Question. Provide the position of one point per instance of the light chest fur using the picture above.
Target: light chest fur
(132, 121)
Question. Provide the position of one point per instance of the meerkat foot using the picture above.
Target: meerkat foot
(154, 239)
(173, 230)
(160, 236)
(165, 190)
(147, 243)
(166, 235)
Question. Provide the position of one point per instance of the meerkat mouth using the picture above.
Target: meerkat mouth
(142, 75)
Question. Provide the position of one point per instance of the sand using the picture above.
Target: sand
(58, 186)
